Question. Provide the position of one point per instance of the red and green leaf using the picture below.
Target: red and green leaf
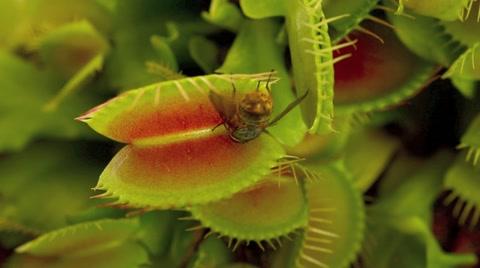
(173, 158)
(380, 73)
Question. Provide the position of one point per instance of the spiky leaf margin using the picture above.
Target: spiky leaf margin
(379, 45)
(470, 141)
(312, 61)
(336, 221)
(270, 209)
(439, 47)
(98, 243)
(352, 14)
(256, 50)
(59, 177)
(398, 222)
(311, 53)
(174, 158)
(448, 10)
(463, 180)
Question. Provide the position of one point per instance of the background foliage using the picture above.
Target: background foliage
(377, 167)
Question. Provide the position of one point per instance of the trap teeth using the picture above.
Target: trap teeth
(461, 178)
(360, 90)
(353, 13)
(335, 229)
(273, 208)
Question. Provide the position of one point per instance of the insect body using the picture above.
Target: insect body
(247, 119)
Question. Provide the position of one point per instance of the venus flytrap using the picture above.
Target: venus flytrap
(29, 22)
(110, 243)
(448, 10)
(76, 51)
(357, 12)
(189, 189)
(125, 66)
(168, 129)
(311, 53)
(27, 90)
(225, 15)
(205, 53)
(255, 50)
(312, 61)
(466, 32)
(212, 253)
(263, 213)
(470, 141)
(364, 167)
(439, 47)
(461, 180)
(404, 230)
(336, 221)
(40, 177)
(357, 87)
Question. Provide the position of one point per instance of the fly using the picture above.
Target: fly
(247, 119)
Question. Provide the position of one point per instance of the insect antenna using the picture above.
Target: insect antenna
(268, 81)
(287, 109)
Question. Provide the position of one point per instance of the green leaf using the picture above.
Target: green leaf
(274, 207)
(11, 21)
(224, 14)
(394, 239)
(467, 87)
(125, 68)
(255, 50)
(462, 179)
(164, 52)
(448, 10)
(466, 32)
(103, 243)
(364, 166)
(349, 15)
(416, 194)
(71, 47)
(399, 222)
(335, 229)
(77, 81)
(211, 253)
(412, 31)
(324, 147)
(135, 24)
(466, 65)
(312, 62)
(205, 53)
(25, 24)
(263, 9)
(25, 91)
(34, 178)
(470, 141)
(156, 231)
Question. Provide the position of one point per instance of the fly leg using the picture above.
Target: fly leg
(287, 109)
(234, 89)
(215, 127)
(268, 81)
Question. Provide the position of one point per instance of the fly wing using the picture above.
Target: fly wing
(225, 106)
